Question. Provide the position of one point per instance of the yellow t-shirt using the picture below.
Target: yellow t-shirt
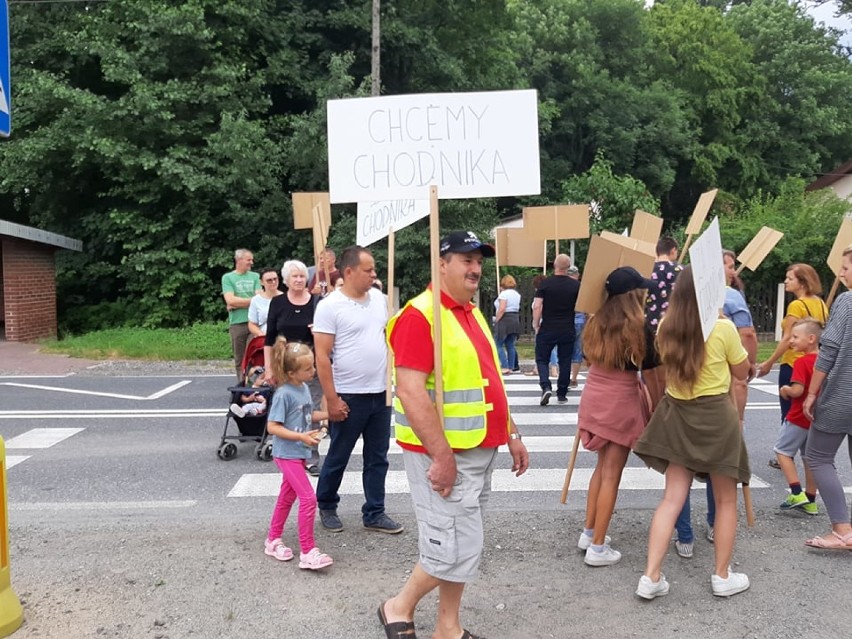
(722, 349)
(800, 309)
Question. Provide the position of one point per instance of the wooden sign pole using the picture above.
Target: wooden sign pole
(389, 287)
(748, 507)
(684, 255)
(435, 247)
(571, 461)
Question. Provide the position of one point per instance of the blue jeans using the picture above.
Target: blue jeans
(508, 355)
(368, 418)
(683, 524)
(564, 343)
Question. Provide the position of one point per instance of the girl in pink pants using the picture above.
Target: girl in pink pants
(290, 423)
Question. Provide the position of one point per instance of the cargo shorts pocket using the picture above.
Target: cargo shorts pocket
(437, 537)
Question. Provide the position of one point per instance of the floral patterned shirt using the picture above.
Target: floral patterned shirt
(664, 275)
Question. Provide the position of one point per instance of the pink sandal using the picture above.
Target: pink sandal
(834, 541)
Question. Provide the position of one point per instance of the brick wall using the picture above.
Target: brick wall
(29, 290)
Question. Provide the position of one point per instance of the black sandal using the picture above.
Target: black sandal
(399, 629)
(467, 635)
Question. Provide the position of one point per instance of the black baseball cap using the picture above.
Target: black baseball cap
(465, 242)
(625, 279)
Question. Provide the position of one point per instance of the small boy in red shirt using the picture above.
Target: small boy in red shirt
(794, 430)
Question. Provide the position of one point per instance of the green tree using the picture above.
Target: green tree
(589, 62)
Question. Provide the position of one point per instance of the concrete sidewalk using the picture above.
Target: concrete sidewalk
(24, 358)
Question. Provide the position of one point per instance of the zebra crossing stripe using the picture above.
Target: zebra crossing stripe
(503, 481)
(14, 460)
(42, 437)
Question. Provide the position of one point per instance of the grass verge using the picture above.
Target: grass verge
(197, 342)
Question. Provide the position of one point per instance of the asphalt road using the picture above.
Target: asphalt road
(128, 525)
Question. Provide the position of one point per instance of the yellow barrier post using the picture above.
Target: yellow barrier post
(11, 612)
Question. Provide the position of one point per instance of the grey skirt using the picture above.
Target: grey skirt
(509, 324)
(701, 434)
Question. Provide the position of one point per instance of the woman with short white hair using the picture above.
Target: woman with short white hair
(291, 315)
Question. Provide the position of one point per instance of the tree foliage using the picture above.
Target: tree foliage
(167, 134)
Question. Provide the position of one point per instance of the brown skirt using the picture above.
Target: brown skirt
(613, 408)
(701, 434)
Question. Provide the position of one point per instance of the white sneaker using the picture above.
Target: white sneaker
(314, 560)
(735, 583)
(237, 410)
(586, 540)
(606, 557)
(648, 589)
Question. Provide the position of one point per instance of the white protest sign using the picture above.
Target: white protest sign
(708, 271)
(377, 219)
(469, 145)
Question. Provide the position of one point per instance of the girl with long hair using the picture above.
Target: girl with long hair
(614, 406)
(696, 429)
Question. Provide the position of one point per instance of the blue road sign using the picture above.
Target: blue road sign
(5, 72)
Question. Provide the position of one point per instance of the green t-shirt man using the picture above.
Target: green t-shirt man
(241, 285)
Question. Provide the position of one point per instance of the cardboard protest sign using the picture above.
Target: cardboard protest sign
(631, 243)
(377, 219)
(468, 145)
(759, 247)
(843, 240)
(514, 248)
(558, 222)
(646, 227)
(303, 205)
(708, 271)
(699, 214)
(604, 257)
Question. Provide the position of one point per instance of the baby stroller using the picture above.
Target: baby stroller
(250, 427)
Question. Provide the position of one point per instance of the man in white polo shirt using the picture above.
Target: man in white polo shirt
(351, 353)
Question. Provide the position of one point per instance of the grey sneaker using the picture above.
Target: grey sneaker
(711, 534)
(330, 521)
(545, 397)
(735, 583)
(384, 524)
(683, 549)
(648, 589)
(313, 470)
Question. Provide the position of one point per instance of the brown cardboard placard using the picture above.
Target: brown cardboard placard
(557, 222)
(843, 240)
(646, 227)
(303, 205)
(631, 242)
(699, 214)
(759, 247)
(514, 248)
(604, 257)
(319, 230)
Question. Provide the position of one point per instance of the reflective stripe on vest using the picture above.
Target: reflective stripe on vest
(465, 410)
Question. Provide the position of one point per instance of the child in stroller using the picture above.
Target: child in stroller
(248, 407)
(253, 403)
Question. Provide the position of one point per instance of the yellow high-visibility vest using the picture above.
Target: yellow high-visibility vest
(465, 409)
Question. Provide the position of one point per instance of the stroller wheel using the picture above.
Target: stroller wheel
(263, 451)
(227, 451)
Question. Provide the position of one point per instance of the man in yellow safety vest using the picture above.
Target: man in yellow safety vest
(453, 459)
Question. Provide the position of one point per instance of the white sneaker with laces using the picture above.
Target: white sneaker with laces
(586, 540)
(314, 560)
(648, 589)
(605, 557)
(735, 583)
